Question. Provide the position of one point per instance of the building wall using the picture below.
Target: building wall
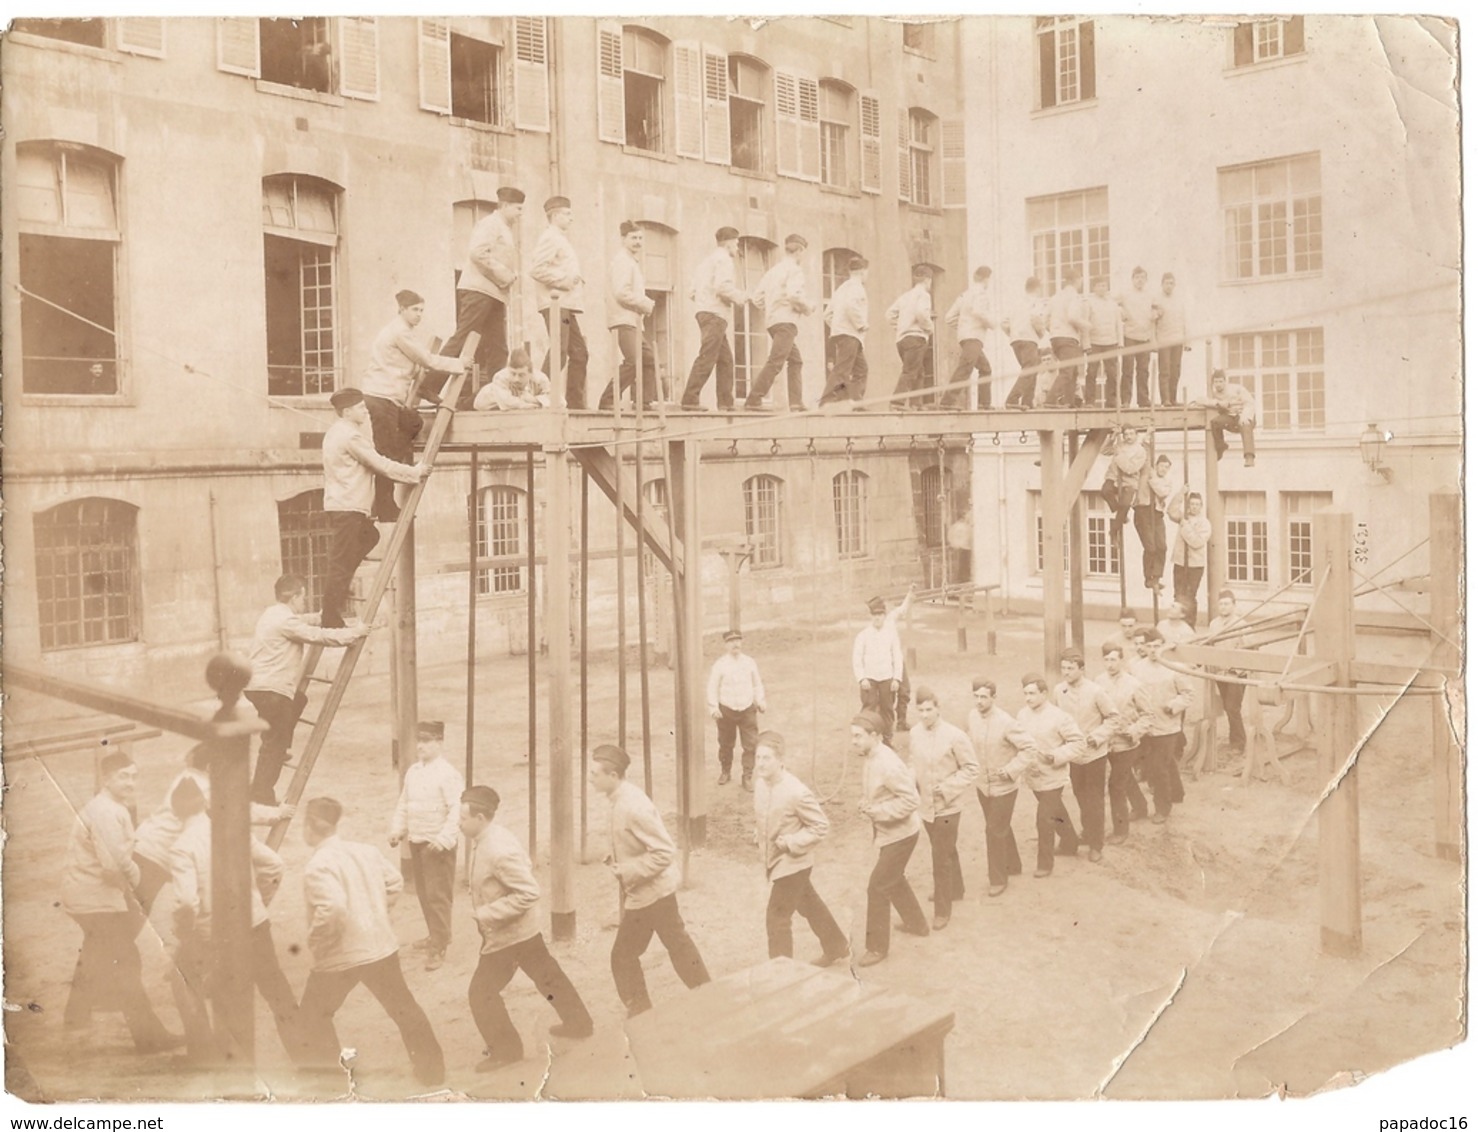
(1374, 98)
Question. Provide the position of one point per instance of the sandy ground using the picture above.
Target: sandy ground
(1185, 964)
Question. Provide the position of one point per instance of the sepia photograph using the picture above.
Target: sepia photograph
(731, 558)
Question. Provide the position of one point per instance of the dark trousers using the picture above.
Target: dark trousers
(1120, 498)
(190, 982)
(878, 696)
(1123, 791)
(1088, 781)
(792, 894)
(1065, 389)
(911, 379)
(888, 888)
(281, 716)
(1219, 425)
(638, 925)
(352, 537)
(1136, 373)
(714, 351)
(1109, 368)
(110, 975)
(1055, 832)
(1029, 358)
(1170, 359)
(783, 352)
(326, 992)
(626, 340)
(944, 847)
(435, 873)
(1187, 582)
(574, 355)
(1002, 859)
(1231, 702)
(152, 879)
(972, 360)
(743, 725)
(848, 370)
(395, 428)
(489, 318)
(1159, 753)
(495, 969)
(1149, 524)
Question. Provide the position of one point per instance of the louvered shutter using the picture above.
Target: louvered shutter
(239, 46)
(871, 164)
(436, 65)
(787, 126)
(610, 85)
(808, 93)
(688, 88)
(359, 57)
(141, 35)
(716, 108)
(952, 150)
(531, 73)
(905, 162)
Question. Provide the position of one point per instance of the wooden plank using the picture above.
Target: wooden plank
(114, 703)
(116, 737)
(600, 463)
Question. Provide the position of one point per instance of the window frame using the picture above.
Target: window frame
(836, 88)
(1062, 35)
(1247, 36)
(129, 593)
(1099, 543)
(1093, 253)
(755, 107)
(1247, 361)
(327, 250)
(764, 501)
(310, 526)
(751, 345)
(492, 529)
(660, 96)
(849, 501)
(502, 83)
(1298, 511)
(1246, 531)
(1300, 215)
(923, 154)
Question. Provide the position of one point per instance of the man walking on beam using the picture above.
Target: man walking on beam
(556, 272)
(782, 290)
(715, 293)
(627, 303)
(482, 287)
(846, 317)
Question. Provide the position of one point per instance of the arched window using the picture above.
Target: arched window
(762, 520)
(66, 201)
(936, 503)
(300, 218)
(87, 573)
(849, 502)
(500, 532)
(923, 140)
(751, 342)
(304, 534)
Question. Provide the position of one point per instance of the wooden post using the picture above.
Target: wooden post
(1216, 564)
(1339, 812)
(472, 506)
(1075, 553)
(533, 655)
(561, 720)
(1446, 553)
(407, 703)
(556, 358)
(688, 593)
(1053, 517)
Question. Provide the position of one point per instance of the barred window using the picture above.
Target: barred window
(87, 573)
(500, 531)
(936, 491)
(301, 233)
(762, 519)
(849, 502)
(1247, 535)
(304, 534)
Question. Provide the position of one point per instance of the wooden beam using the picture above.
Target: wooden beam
(1339, 808)
(557, 470)
(115, 703)
(1082, 463)
(601, 463)
(1446, 511)
(1248, 660)
(1054, 516)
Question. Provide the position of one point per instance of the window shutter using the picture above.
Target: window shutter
(871, 164)
(141, 35)
(716, 108)
(610, 94)
(436, 65)
(1047, 66)
(531, 73)
(905, 164)
(238, 46)
(1087, 64)
(1242, 45)
(809, 92)
(952, 149)
(1293, 35)
(787, 126)
(359, 57)
(688, 87)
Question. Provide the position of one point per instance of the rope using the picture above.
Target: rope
(1286, 686)
(1403, 606)
(1309, 616)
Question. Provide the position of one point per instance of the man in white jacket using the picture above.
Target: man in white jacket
(556, 272)
(715, 295)
(782, 290)
(912, 316)
(944, 768)
(970, 315)
(627, 303)
(426, 816)
(846, 317)
(1057, 740)
(890, 801)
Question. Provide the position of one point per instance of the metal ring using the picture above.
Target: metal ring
(849, 447)
(733, 448)
(774, 448)
(811, 446)
(1023, 439)
(881, 445)
(996, 440)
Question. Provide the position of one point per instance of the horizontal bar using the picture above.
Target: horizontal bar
(129, 707)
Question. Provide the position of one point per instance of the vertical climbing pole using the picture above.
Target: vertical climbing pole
(532, 590)
(1446, 555)
(688, 599)
(561, 723)
(472, 572)
(1053, 519)
(407, 702)
(584, 657)
(1333, 618)
(1216, 548)
(1075, 554)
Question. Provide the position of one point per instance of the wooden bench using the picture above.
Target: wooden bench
(787, 1029)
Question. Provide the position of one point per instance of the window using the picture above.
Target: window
(836, 124)
(304, 534)
(478, 91)
(762, 520)
(919, 38)
(657, 263)
(1247, 535)
(67, 213)
(298, 53)
(655, 493)
(87, 573)
(1103, 547)
(936, 503)
(1065, 62)
(1285, 370)
(1273, 217)
(917, 163)
(644, 74)
(751, 340)
(89, 33)
(500, 527)
(1262, 41)
(1069, 231)
(1298, 527)
(849, 502)
(300, 217)
(747, 79)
